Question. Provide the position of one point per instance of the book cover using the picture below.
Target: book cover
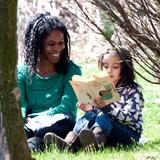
(98, 86)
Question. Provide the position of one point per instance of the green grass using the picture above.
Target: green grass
(151, 115)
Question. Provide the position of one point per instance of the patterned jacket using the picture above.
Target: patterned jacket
(128, 110)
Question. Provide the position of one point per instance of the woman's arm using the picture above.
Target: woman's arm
(21, 70)
(69, 99)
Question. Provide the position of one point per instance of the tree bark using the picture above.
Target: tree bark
(4, 154)
(11, 115)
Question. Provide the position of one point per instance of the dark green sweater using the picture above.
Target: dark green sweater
(47, 95)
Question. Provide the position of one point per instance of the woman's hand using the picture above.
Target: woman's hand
(99, 103)
(28, 119)
(84, 107)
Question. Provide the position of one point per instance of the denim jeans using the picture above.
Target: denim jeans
(116, 132)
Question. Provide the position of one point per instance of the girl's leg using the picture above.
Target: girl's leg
(85, 122)
(71, 141)
(100, 136)
(116, 132)
(121, 134)
(94, 136)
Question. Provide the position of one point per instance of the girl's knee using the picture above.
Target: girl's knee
(103, 117)
(90, 115)
(105, 122)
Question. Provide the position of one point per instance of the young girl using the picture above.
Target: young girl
(109, 124)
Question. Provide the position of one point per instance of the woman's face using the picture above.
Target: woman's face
(112, 64)
(53, 46)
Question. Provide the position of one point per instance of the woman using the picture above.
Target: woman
(47, 100)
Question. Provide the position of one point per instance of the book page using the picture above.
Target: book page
(83, 92)
(99, 86)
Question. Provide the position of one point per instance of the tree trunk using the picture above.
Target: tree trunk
(4, 154)
(10, 112)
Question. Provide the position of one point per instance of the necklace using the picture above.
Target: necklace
(45, 72)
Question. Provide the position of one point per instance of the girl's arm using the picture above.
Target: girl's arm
(128, 108)
(84, 107)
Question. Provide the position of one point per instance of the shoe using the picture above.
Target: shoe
(51, 138)
(36, 144)
(71, 137)
(88, 140)
(101, 137)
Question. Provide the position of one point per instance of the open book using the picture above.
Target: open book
(98, 86)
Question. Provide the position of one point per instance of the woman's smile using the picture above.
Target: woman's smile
(55, 54)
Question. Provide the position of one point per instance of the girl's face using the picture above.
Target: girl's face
(53, 46)
(111, 63)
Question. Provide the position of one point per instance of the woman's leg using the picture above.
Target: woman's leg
(61, 127)
(58, 124)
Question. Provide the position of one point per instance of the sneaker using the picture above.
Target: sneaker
(51, 138)
(36, 144)
(88, 140)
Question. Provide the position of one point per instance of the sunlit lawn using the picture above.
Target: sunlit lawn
(151, 115)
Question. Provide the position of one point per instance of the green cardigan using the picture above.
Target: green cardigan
(47, 95)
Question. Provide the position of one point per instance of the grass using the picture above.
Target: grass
(151, 115)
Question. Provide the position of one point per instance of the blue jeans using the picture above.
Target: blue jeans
(116, 132)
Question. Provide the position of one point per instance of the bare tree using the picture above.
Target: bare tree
(135, 25)
(9, 110)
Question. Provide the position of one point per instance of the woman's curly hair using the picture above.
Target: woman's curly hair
(39, 27)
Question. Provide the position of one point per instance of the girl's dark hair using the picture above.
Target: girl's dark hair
(39, 27)
(127, 70)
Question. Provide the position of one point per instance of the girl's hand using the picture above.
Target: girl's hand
(84, 107)
(99, 103)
